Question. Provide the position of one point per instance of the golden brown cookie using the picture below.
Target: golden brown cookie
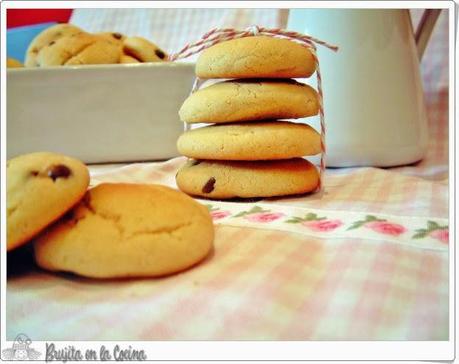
(13, 63)
(128, 230)
(230, 179)
(247, 100)
(40, 188)
(79, 49)
(256, 57)
(113, 36)
(128, 59)
(143, 50)
(47, 36)
(250, 141)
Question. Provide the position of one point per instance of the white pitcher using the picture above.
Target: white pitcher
(373, 96)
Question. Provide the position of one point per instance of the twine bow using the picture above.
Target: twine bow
(218, 35)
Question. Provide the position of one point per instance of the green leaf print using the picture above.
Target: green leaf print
(253, 210)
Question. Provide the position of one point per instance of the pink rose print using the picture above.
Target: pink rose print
(264, 216)
(434, 230)
(387, 228)
(323, 225)
(217, 215)
(258, 214)
(381, 226)
(442, 235)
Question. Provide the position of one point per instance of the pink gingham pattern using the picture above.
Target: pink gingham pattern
(263, 281)
(258, 284)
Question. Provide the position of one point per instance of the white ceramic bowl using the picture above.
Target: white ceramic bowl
(100, 113)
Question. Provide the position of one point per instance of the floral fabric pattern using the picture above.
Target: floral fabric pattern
(433, 230)
(257, 214)
(316, 223)
(379, 225)
(216, 213)
(406, 230)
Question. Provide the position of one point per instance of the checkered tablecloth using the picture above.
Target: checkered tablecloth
(366, 261)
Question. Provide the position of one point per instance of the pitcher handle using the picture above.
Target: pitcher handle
(425, 28)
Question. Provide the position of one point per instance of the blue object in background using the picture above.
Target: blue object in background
(18, 39)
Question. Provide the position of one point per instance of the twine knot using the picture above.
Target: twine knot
(254, 29)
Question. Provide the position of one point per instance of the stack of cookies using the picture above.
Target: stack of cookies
(250, 150)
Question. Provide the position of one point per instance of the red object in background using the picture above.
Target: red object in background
(21, 17)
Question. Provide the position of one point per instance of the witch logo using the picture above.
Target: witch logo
(21, 349)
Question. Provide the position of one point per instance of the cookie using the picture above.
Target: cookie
(231, 179)
(113, 36)
(79, 49)
(13, 63)
(247, 100)
(256, 57)
(143, 50)
(128, 59)
(127, 230)
(47, 36)
(250, 141)
(99, 52)
(40, 188)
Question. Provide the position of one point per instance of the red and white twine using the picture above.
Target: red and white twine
(218, 35)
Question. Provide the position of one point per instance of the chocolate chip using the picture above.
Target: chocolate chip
(117, 35)
(209, 186)
(160, 53)
(59, 171)
(69, 215)
(51, 43)
(34, 173)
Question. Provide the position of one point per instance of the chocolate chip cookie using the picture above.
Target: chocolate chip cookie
(80, 49)
(41, 187)
(143, 50)
(231, 179)
(47, 37)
